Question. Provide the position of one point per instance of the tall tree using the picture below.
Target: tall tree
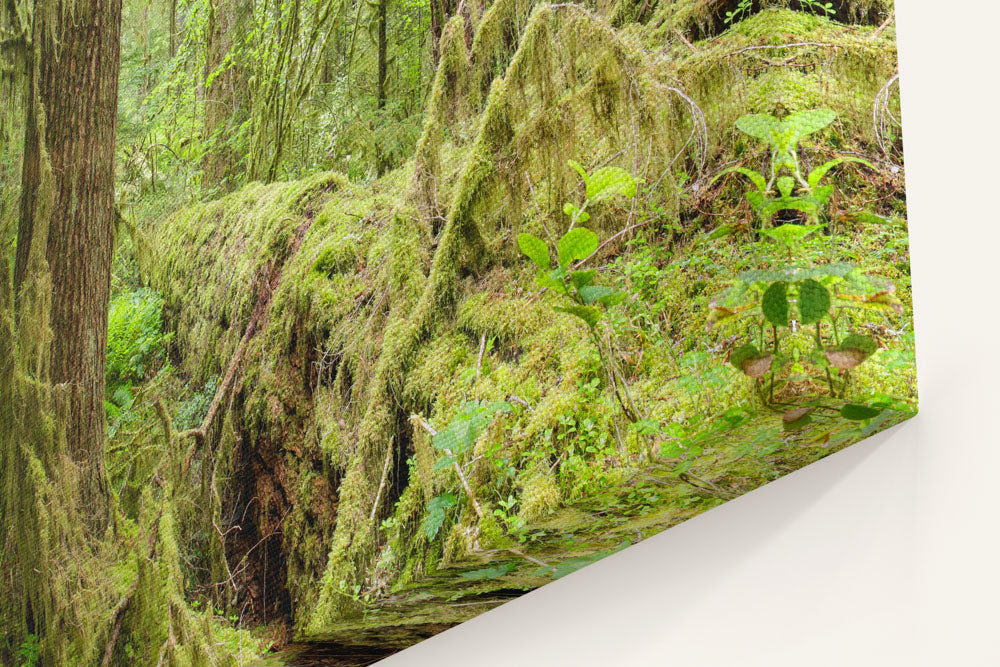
(67, 211)
(226, 91)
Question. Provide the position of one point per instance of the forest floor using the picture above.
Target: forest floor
(583, 532)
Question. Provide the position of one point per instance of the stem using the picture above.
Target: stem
(819, 346)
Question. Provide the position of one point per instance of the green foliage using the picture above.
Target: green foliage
(436, 512)
(859, 412)
(814, 301)
(783, 137)
(136, 344)
(774, 304)
(463, 430)
(487, 573)
(29, 652)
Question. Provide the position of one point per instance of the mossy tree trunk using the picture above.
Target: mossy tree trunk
(67, 204)
(226, 92)
(441, 11)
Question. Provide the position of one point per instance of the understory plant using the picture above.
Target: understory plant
(795, 190)
(585, 299)
(455, 442)
(795, 295)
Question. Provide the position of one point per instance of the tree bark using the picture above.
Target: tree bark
(441, 11)
(226, 98)
(72, 120)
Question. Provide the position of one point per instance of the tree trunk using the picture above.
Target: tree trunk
(441, 11)
(173, 29)
(382, 51)
(226, 99)
(381, 163)
(72, 120)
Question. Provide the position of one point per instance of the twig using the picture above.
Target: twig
(885, 24)
(688, 44)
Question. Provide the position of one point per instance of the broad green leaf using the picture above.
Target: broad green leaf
(852, 352)
(445, 462)
(821, 195)
(791, 234)
(865, 344)
(755, 176)
(571, 565)
(535, 249)
(858, 412)
(595, 293)
(579, 169)
(817, 174)
(578, 243)
(775, 304)
(788, 203)
(814, 301)
(465, 427)
(807, 122)
(760, 126)
(588, 314)
(785, 185)
(748, 360)
(546, 281)
(582, 278)
(610, 181)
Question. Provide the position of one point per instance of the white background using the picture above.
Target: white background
(887, 553)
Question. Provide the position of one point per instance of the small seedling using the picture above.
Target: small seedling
(587, 300)
(795, 191)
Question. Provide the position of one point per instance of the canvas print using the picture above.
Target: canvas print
(327, 325)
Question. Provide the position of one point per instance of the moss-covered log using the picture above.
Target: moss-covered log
(393, 291)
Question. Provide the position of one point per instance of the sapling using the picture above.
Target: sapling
(587, 300)
(786, 187)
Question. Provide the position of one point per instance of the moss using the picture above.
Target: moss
(382, 311)
(541, 496)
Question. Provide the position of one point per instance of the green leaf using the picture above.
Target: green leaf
(607, 182)
(579, 169)
(755, 176)
(588, 314)
(582, 278)
(775, 304)
(790, 234)
(578, 243)
(817, 174)
(785, 185)
(445, 462)
(808, 122)
(595, 293)
(866, 344)
(858, 412)
(535, 249)
(760, 126)
(436, 514)
(814, 301)
(748, 360)
(465, 427)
